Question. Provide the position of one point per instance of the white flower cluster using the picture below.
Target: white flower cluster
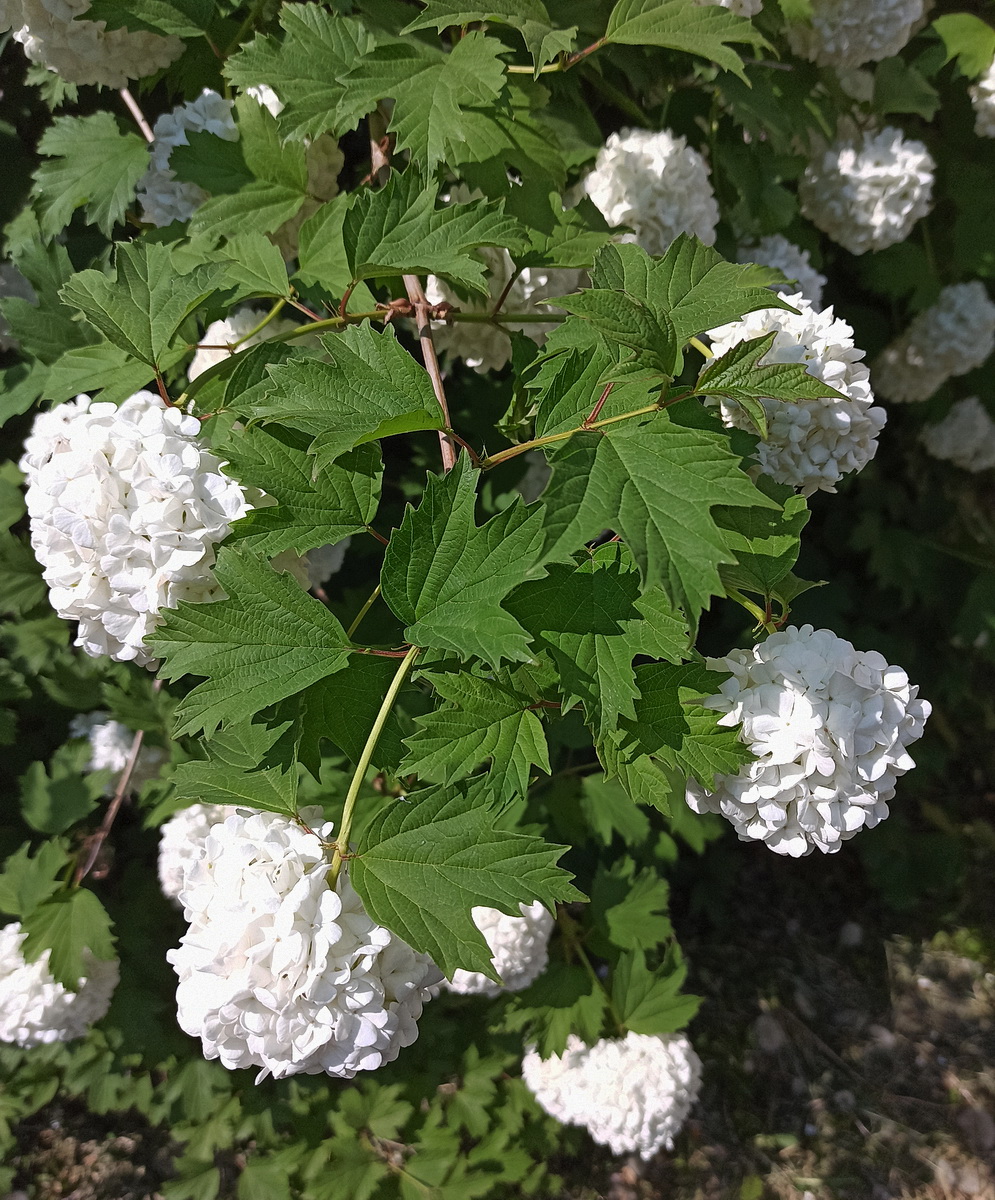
(632, 1094)
(13, 285)
(983, 101)
(741, 8)
(34, 1008)
(848, 33)
(230, 335)
(829, 726)
(110, 748)
(486, 347)
(867, 192)
(810, 444)
(181, 843)
(965, 436)
(519, 949)
(657, 184)
(126, 508)
(280, 971)
(793, 262)
(84, 51)
(951, 337)
(163, 197)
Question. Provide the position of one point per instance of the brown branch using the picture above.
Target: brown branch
(416, 294)
(137, 113)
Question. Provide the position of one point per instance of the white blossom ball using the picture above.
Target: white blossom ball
(282, 972)
(983, 101)
(34, 1008)
(867, 191)
(829, 726)
(232, 334)
(793, 262)
(810, 444)
(849, 33)
(965, 436)
(181, 843)
(84, 52)
(655, 183)
(110, 748)
(519, 950)
(15, 286)
(951, 337)
(126, 509)
(632, 1094)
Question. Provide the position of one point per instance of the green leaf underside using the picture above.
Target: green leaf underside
(445, 577)
(432, 857)
(267, 641)
(68, 923)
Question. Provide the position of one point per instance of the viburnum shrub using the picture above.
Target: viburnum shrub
(412, 414)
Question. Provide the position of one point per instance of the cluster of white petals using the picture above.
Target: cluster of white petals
(34, 1008)
(181, 843)
(983, 100)
(13, 285)
(519, 950)
(632, 1094)
(951, 337)
(282, 972)
(655, 183)
(110, 748)
(163, 197)
(126, 509)
(867, 191)
(234, 333)
(486, 347)
(965, 436)
(792, 261)
(848, 33)
(810, 444)
(84, 51)
(829, 726)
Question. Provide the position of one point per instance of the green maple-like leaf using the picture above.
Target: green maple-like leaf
(181, 18)
(563, 1000)
(429, 859)
(481, 719)
(67, 924)
(648, 1001)
(267, 641)
(646, 781)
(626, 320)
(530, 17)
(632, 905)
(26, 882)
(766, 542)
(445, 577)
(273, 789)
(608, 810)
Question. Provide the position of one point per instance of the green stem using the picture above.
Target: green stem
(363, 611)
(700, 347)
(494, 460)
(273, 312)
(349, 808)
(762, 618)
(569, 929)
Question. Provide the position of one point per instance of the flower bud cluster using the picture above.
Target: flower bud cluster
(282, 972)
(181, 843)
(519, 949)
(849, 33)
(126, 509)
(965, 436)
(983, 101)
(810, 444)
(951, 337)
(793, 262)
(866, 191)
(632, 1094)
(34, 1008)
(84, 51)
(829, 726)
(655, 183)
(15, 286)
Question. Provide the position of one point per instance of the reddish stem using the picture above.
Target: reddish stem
(596, 411)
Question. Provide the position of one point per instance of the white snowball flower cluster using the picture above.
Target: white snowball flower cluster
(810, 444)
(951, 337)
(849, 33)
(741, 8)
(983, 101)
(280, 971)
(163, 197)
(657, 184)
(965, 436)
(829, 726)
(110, 748)
(181, 843)
(13, 285)
(84, 51)
(34, 1008)
(487, 347)
(126, 509)
(223, 338)
(519, 950)
(868, 191)
(632, 1094)
(776, 251)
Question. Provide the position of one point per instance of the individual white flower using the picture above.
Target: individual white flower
(829, 726)
(849, 33)
(983, 101)
(794, 262)
(126, 508)
(519, 950)
(867, 192)
(951, 337)
(34, 1008)
(181, 843)
(282, 972)
(632, 1094)
(810, 444)
(264, 96)
(84, 51)
(657, 184)
(232, 334)
(741, 8)
(13, 285)
(965, 436)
